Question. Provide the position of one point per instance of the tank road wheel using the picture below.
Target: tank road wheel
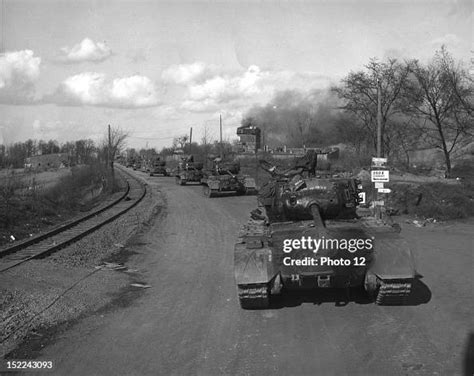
(393, 293)
(254, 297)
(371, 285)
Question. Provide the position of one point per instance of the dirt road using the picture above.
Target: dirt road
(190, 323)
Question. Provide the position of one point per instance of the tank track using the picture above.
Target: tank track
(393, 293)
(254, 297)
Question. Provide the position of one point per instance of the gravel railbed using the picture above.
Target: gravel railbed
(73, 282)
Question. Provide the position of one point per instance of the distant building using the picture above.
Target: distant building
(250, 139)
(47, 161)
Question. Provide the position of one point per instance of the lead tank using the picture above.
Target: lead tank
(306, 234)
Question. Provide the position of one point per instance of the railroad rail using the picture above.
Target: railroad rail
(49, 242)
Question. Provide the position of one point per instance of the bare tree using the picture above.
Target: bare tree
(359, 91)
(115, 144)
(206, 141)
(440, 94)
(405, 136)
(180, 142)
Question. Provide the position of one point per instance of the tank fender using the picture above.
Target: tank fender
(252, 265)
(393, 258)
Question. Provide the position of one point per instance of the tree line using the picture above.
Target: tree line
(84, 151)
(79, 152)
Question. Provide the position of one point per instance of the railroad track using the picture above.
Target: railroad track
(47, 243)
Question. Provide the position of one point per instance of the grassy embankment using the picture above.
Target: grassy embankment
(30, 202)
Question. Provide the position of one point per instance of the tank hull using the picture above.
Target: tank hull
(217, 184)
(183, 177)
(158, 170)
(350, 253)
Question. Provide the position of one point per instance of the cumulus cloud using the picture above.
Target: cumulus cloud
(183, 74)
(224, 88)
(94, 89)
(18, 72)
(87, 50)
(246, 88)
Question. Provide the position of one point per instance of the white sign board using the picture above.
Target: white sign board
(384, 190)
(362, 196)
(378, 203)
(378, 185)
(379, 176)
(379, 162)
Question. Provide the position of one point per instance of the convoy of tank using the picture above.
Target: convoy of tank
(305, 233)
(153, 167)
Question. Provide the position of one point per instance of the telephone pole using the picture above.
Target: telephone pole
(378, 207)
(379, 120)
(109, 162)
(220, 126)
(190, 139)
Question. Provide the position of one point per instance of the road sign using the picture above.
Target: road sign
(384, 190)
(378, 203)
(379, 162)
(378, 185)
(379, 176)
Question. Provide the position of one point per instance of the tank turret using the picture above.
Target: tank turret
(296, 199)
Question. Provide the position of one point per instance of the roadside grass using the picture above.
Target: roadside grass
(440, 201)
(443, 200)
(27, 208)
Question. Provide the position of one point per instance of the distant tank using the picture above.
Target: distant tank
(226, 177)
(188, 171)
(158, 167)
(306, 234)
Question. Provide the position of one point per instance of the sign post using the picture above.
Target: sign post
(379, 174)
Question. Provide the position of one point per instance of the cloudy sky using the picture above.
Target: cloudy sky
(156, 68)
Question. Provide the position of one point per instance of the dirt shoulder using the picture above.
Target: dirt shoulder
(79, 279)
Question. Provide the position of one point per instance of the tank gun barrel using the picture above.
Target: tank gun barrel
(318, 220)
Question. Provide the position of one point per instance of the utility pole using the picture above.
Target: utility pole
(190, 139)
(220, 125)
(379, 120)
(109, 149)
(378, 208)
